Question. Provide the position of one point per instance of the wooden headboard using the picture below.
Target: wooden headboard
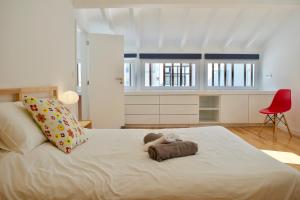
(17, 94)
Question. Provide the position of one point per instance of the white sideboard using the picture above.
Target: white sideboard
(178, 109)
(198, 108)
(234, 108)
(142, 109)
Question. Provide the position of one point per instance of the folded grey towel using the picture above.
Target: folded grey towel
(151, 137)
(160, 152)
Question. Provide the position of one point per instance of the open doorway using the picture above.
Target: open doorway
(82, 73)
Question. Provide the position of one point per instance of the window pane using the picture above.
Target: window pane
(253, 75)
(161, 74)
(184, 69)
(216, 74)
(170, 74)
(193, 71)
(222, 74)
(186, 73)
(127, 74)
(147, 74)
(238, 75)
(209, 74)
(176, 74)
(168, 70)
(228, 74)
(248, 75)
(156, 75)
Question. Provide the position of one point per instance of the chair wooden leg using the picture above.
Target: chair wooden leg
(274, 128)
(263, 126)
(286, 124)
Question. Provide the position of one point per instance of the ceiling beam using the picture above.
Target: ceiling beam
(258, 28)
(233, 27)
(135, 27)
(106, 15)
(187, 27)
(179, 3)
(212, 16)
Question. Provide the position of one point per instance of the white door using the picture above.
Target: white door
(106, 92)
(234, 109)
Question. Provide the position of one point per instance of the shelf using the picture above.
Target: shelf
(209, 115)
(209, 101)
(208, 108)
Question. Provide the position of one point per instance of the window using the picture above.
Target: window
(230, 74)
(129, 73)
(170, 74)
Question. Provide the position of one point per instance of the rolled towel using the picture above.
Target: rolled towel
(151, 137)
(166, 138)
(160, 152)
(171, 137)
(160, 140)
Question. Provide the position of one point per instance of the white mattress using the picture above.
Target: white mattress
(113, 165)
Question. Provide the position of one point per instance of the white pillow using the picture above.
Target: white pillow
(18, 131)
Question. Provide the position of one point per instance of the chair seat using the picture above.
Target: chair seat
(267, 111)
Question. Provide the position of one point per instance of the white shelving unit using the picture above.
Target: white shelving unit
(209, 107)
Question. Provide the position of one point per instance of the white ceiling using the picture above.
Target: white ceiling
(189, 28)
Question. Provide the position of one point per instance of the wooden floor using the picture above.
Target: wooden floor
(265, 142)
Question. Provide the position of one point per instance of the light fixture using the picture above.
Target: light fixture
(69, 97)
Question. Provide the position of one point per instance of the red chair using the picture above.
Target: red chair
(275, 112)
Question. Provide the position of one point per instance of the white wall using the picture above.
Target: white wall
(37, 43)
(282, 60)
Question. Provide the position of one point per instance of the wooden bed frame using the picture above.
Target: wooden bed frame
(17, 94)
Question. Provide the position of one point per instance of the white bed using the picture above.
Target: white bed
(113, 165)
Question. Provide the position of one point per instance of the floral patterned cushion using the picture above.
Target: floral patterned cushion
(56, 122)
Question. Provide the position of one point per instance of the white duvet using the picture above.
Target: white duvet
(112, 165)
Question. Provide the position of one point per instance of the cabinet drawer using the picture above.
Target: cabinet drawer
(142, 119)
(142, 109)
(180, 99)
(179, 109)
(179, 119)
(142, 100)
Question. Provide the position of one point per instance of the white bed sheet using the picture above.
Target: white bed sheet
(112, 165)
